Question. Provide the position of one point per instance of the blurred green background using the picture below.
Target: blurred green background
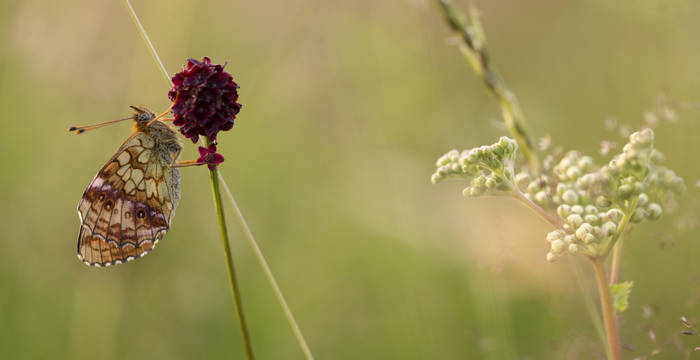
(346, 107)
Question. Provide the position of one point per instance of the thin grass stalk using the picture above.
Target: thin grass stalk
(270, 277)
(473, 48)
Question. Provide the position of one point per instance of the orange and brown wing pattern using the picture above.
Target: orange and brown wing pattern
(128, 206)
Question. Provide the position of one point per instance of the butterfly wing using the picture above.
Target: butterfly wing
(127, 208)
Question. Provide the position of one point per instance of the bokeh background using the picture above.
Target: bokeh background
(346, 107)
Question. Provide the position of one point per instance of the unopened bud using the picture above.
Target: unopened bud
(575, 220)
(638, 215)
(569, 197)
(573, 249)
(654, 211)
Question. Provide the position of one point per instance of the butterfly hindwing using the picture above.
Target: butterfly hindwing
(128, 206)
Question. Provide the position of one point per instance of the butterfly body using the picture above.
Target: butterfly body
(128, 206)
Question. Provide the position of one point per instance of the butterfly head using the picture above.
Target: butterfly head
(142, 115)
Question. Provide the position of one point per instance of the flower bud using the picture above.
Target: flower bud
(577, 209)
(570, 197)
(473, 191)
(533, 187)
(447, 158)
(602, 201)
(625, 191)
(479, 181)
(585, 162)
(654, 211)
(574, 220)
(589, 238)
(491, 183)
(541, 197)
(643, 199)
(591, 219)
(564, 210)
(558, 246)
(583, 230)
(573, 249)
(590, 209)
(573, 172)
(608, 229)
(561, 188)
(615, 215)
(551, 256)
(554, 235)
(569, 239)
(638, 215)
(522, 179)
(637, 187)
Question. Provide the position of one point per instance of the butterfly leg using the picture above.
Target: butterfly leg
(186, 163)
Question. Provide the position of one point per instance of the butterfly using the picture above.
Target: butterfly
(129, 205)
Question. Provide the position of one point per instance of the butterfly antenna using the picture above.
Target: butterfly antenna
(82, 129)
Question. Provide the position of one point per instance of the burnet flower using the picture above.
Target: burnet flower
(205, 102)
(205, 99)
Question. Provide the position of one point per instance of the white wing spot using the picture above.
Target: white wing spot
(122, 170)
(124, 158)
(150, 187)
(129, 186)
(144, 156)
(147, 142)
(137, 175)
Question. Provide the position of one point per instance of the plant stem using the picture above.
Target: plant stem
(620, 228)
(588, 302)
(609, 318)
(555, 221)
(214, 176)
(473, 47)
(270, 277)
(615, 265)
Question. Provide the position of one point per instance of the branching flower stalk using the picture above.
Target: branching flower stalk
(591, 207)
(473, 47)
(220, 98)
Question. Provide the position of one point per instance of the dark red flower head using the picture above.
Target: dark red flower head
(210, 157)
(205, 99)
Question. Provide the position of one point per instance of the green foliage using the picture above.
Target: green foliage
(621, 294)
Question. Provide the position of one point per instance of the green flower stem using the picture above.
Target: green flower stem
(214, 177)
(609, 318)
(620, 228)
(615, 265)
(555, 221)
(473, 48)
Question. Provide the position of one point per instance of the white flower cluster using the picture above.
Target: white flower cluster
(489, 168)
(594, 203)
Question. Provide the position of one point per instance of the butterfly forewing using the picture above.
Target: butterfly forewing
(129, 204)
